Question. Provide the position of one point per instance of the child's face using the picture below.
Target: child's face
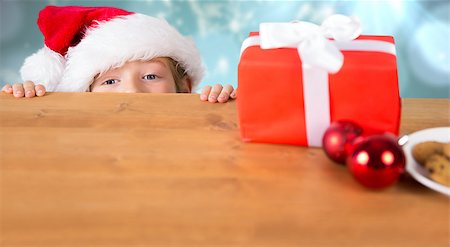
(152, 76)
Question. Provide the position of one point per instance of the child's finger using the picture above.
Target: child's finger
(40, 90)
(18, 90)
(7, 88)
(205, 93)
(225, 94)
(28, 87)
(215, 91)
(233, 94)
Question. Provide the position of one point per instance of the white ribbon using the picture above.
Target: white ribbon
(320, 56)
(311, 40)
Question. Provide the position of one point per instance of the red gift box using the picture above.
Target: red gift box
(271, 102)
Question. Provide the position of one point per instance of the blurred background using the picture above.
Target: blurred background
(420, 28)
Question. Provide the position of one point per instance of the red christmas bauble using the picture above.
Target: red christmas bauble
(338, 139)
(377, 161)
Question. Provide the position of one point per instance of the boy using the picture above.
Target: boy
(105, 49)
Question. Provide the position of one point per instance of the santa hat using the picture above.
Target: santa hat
(81, 42)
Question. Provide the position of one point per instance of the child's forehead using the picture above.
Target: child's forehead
(164, 60)
(161, 61)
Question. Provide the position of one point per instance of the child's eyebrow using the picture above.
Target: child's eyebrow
(158, 61)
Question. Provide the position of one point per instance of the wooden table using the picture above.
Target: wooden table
(83, 169)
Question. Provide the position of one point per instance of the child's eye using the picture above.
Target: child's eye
(149, 77)
(109, 82)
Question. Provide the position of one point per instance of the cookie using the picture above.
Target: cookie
(438, 165)
(446, 150)
(423, 150)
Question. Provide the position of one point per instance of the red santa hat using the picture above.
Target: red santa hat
(81, 42)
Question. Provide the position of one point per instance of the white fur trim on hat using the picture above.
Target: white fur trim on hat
(128, 38)
(44, 67)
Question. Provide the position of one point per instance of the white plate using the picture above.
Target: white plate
(441, 134)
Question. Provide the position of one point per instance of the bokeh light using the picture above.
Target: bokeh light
(387, 157)
(362, 158)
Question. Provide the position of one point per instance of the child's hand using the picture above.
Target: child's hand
(218, 93)
(27, 89)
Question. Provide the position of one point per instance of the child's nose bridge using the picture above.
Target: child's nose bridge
(132, 84)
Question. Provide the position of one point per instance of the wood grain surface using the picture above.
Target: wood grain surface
(84, 169)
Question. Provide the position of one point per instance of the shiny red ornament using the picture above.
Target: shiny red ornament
(338, 139)
(377, 161)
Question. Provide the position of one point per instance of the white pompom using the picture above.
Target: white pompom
(44, 67)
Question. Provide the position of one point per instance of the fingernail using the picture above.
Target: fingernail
(18, 93)
(203, 97)
(212, 97)
(28, 93)
(40, 91)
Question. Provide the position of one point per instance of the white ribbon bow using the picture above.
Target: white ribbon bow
(311, 40)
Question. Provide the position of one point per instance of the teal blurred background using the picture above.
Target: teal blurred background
(421, 30)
